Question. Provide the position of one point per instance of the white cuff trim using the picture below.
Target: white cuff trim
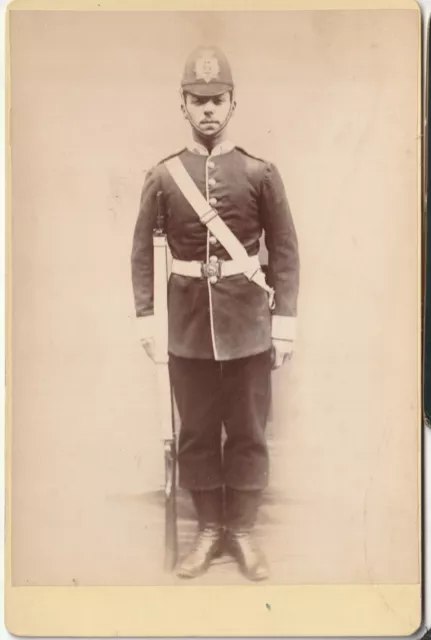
(283, 328)
(145, 327)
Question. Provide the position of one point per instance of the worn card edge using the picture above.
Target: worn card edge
(303, 610)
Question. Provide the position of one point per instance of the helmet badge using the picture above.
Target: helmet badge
(207, 67)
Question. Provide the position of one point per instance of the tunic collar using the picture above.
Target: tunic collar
(223, 147)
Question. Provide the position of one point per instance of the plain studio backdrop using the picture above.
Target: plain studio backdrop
(332, 99)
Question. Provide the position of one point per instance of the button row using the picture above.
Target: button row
(213, 201)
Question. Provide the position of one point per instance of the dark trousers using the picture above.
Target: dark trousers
(210, 394)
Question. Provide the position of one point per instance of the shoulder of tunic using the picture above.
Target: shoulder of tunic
(155, 172)
(250, 155)
(172, 155)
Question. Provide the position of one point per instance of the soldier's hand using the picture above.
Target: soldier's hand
(280, 352)
(148, 344)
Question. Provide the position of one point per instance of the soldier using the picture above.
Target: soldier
(228, 326)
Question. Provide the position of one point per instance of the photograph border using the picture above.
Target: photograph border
(255, 610)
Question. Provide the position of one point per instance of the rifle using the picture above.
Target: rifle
(165, 397)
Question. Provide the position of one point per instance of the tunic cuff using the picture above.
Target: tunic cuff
(283, 328)
(145, 327)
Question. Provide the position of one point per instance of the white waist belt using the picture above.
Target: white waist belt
(215, 268)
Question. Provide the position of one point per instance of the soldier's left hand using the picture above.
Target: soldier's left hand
(282, 350)
(148, 344)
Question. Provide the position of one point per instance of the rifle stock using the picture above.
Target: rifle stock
(165, 398)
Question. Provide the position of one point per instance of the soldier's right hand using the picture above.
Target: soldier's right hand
(145, 329)
(148, 344)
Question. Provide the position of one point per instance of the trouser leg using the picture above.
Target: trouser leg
(209, 506)
(197, 389)
(246, 401)
(241, 509)
(247, 394)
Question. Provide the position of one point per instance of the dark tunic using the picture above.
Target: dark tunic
(230, 319)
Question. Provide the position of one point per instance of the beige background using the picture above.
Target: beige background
(331, 98)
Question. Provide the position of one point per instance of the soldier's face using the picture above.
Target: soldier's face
(208, 113)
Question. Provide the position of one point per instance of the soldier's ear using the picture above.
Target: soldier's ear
(233, 101)
(183, 111)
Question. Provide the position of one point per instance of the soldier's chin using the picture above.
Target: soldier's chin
(209, 130)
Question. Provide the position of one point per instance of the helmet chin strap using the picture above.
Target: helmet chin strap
(225, 123)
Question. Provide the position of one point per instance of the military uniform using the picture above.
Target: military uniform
(220, 328)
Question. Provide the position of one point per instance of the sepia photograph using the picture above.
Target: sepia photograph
(215, 305)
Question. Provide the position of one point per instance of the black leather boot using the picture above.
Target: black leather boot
(209, 541)
(241, 512)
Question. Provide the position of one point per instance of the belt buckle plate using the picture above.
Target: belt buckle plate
(211, 270)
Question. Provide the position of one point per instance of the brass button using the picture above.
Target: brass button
(213, 259)
(211, 164)
(213, 201)
(211, 182)
(212, 280)
(212, 240)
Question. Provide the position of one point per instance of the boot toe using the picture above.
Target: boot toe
(188, 572)
(207, 547)
(258, 572)
(249, 556)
